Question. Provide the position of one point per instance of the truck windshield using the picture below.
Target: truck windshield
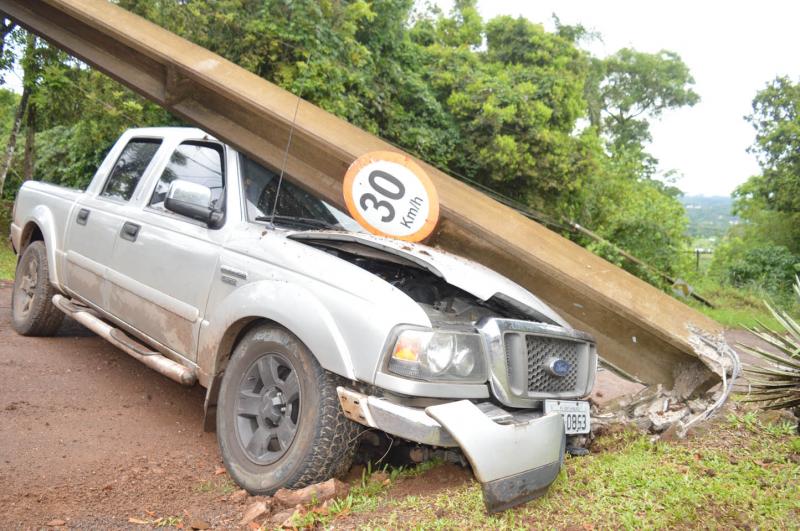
(296, 208)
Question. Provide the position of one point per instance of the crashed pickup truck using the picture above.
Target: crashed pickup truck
(304, 329)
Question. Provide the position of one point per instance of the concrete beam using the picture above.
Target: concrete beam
(639, 329)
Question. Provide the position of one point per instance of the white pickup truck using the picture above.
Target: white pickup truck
(304, 329)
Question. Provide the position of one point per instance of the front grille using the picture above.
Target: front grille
(540, 350)
(520, 352)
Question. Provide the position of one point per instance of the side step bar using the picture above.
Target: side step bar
(155, 360)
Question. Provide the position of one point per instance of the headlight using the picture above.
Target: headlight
(439, 355)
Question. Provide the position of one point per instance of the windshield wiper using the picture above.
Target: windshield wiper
(293, 220)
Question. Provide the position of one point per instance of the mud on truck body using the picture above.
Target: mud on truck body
(304, 329)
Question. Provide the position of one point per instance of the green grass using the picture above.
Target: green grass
(220, 485)
(741, 472)
(8, 262)
(740, 318)
(736, 308)
(168, 521)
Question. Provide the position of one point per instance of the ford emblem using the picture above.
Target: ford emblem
(558, 367)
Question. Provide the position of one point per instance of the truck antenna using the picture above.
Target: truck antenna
(285, 158)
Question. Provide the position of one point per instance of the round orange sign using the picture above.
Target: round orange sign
(391, 195)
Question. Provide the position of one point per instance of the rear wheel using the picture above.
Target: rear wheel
(279, 423)
(32, 310)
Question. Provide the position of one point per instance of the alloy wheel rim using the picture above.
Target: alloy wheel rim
(26, 287)
(267, 408)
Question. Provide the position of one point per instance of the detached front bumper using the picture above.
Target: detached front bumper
(514, 456)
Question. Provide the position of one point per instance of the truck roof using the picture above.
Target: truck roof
(170, 131)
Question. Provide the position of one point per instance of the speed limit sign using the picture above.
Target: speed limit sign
(391, 195)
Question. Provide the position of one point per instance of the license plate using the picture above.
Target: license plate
(576, 414)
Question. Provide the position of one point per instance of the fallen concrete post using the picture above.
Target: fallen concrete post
(639, 329)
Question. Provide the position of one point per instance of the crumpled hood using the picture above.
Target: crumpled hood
(464, 274)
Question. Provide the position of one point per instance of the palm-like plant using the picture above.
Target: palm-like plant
(777, 385)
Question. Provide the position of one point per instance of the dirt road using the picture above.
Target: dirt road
(91, 437)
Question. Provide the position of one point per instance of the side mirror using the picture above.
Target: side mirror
(192, 200)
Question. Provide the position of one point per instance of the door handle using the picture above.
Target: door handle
(83, 216)
(130, 231)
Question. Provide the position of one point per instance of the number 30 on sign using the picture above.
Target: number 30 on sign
(391, 195)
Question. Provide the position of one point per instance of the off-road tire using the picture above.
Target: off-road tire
(32, 310)
(325, 441)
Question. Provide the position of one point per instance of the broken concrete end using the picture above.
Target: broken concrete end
(693, 398)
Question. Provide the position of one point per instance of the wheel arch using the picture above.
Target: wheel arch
(233, 334)
(296, 310)
(31, 232)
(292, 306)
(41, 226)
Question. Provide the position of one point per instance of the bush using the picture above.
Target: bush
(5, 219)
(638, 217)
(770, 267)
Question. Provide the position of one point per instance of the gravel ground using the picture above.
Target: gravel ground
(91, 437)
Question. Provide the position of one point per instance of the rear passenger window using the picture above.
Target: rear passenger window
(196, 162)
(129, 168)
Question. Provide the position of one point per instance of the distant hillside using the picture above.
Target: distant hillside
(709, 216)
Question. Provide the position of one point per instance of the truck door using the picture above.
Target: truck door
(96, 220)
(163, 263)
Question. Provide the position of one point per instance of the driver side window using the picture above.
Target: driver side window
(197, 162)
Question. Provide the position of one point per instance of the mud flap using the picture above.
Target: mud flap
(514, 463)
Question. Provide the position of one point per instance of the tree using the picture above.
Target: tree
(770, 202)
(514, 104)
(72, 115)
(761, 222)
(639, 217)
(763, 252)
(7, 26)
(27, 86)
(776, 119)
(628, 89)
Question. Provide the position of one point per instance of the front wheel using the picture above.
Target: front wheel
(279, 423)
(32, 310)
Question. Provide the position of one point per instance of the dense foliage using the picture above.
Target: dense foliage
(763, 252)
(776, 119)
(764, 265)
(502, 103)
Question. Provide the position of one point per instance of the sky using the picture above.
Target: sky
(733, 49)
